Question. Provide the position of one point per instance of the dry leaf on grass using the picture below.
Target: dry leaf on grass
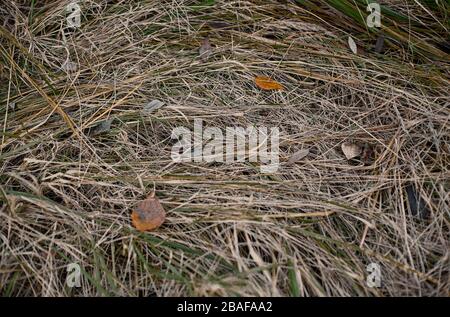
(297, 156)
(380, 43)
(153, 105)
(267, 83)
(417, 205)
(219, 24)
(149, 214)
(205, 49)
(352, 45)
(368, 154)
(351, 150)
(103, 127)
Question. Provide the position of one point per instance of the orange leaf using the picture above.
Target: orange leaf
(149, 214)
(267, 83)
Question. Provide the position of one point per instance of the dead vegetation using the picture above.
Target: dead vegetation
(79, 150)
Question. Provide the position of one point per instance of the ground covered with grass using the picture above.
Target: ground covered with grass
(79, 149)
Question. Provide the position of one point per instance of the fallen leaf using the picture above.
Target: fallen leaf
(380, 43)
(149, 214)
(367, 154)
(351, 150)
(267, 83)
(297, 156)
(205, 49)
(219, 24)
(153, 105)
(417, 205)
(104, 126)
(352, 45)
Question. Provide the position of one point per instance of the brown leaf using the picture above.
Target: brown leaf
(149, 214)
(267, 83)
(101, 128)
(417, 205)
(297, 156)
(367, 154)
(205, 49)
(219, 25)
(380, 43)
(351, 150)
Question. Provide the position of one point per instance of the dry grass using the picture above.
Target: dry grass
(309, 230)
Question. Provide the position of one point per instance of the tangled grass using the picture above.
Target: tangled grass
(310, 229)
